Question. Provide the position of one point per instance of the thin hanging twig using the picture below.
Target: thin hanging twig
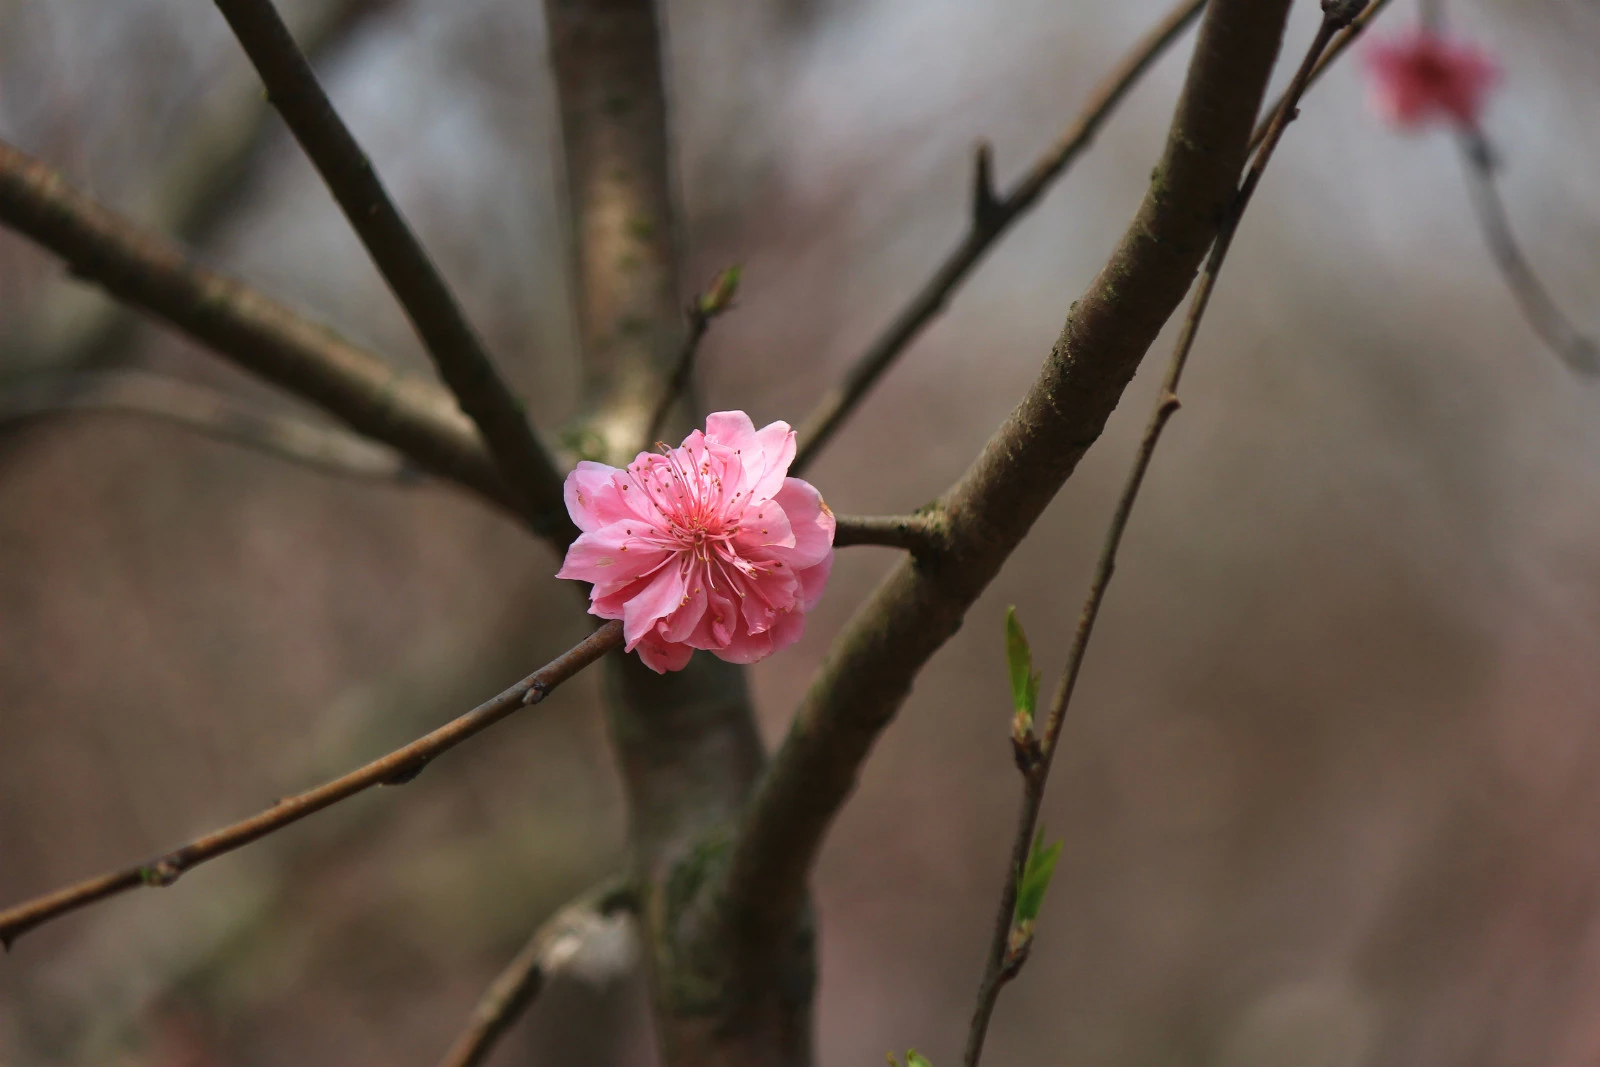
(1577, 350)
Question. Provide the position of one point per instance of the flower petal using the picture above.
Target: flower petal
(594, 497)
(662, 656)
(776, 442)
(731, 428)
(612, 556)
(659, 597)
(681, 624)
(810, 520)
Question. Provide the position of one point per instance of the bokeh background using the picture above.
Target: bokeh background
(1327, 794)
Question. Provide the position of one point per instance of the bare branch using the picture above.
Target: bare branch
(991, 218)
(550, 950)
(413, 416)
(1575, 349)
(870, 668)
(113, 974)
(1009, 945)
(707, 306)
(679, 379)
(400, 258)
(396, 768)
(1341, 41)
(918, 534)
(686, 743)
(606, 59)
(207, 411)
(196, 188)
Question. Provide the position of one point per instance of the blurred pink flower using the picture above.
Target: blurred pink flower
(708, 545)
(1424, 77)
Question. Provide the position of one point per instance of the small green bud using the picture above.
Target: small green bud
(1019, 662)
(1035, 880)
(719, 297)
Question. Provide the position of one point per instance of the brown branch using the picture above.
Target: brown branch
(411, 415)
(456, 350)
(1575, 349)
(678, 380)
(686, 743)
(132, 969)
(606, 59)
(551, 948)
(195, 190)
(206, 411)
(918, 534)
(991, 217)
(707, 306)
(1341, 41)
(1009, 945)
(871, 666)
(397, 767)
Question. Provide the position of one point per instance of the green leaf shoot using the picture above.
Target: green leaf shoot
(1035, 880)
(1019, 663)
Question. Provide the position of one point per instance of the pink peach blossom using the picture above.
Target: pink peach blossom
(1425, 77)
(708, 545)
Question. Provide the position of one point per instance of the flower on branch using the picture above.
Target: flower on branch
(1425, 77)
(709, 545)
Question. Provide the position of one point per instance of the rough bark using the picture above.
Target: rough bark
(873, 663)
(686, 743)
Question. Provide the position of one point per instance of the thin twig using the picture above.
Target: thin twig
(551, 948)
(991, 217)
(685, 742)
(195, 190)
(1575, 349)
(1006, 953)
(397, 767)
(411, 415)
(679, 380)
(863, 682)
(400, 258)
(717, 298)
(1341, 41)
(917, 534)
(207, 411)
(131, 968)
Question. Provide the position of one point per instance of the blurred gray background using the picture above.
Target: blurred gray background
(1327, 794)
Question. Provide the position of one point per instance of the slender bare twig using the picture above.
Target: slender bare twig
(456, 350)
(759, 903)
(1341, 41)
(992, 216)
(1577, 350)
(415, 417)
(1008, 950)
(111, 977)
(919, 534)
(207, 411)
(396, 768)
(679, 379)
(194, 191)
(707, 306)
(551, 948)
